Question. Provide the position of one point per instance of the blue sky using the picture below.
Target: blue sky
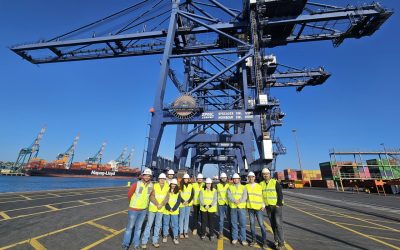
(357, 108)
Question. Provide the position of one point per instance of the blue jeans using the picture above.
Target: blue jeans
(150, 219)
(238, 214)
(135, 220)
(260, 218)
(174, 220)
(222, 211)
(184, 213)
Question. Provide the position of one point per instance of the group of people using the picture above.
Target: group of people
(168, 204)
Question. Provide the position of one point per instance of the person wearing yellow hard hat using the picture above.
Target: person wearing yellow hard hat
(171, 212)
(138, 196)
(187, 194)
(158, 199)
(196, 202)
(208, 208)
(255, 208)
(222, 188)
(273, 198)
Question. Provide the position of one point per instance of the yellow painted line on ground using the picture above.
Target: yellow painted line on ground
(104, 239)
(27, 198)
(386, 238)
(109, 229)
(346, 228)
(36, 244)
(347, 216)
(220, 245)
(59, 231)
(355, 225)
(56, 195)
(269, 228)
(51, 207)
(5, 216)
(84, 202)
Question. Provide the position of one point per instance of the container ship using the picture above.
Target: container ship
(58, 168)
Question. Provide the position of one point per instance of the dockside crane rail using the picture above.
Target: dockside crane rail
(68, 156)
(26, 154)
(96, 159)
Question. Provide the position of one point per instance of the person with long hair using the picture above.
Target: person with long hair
(171, 212)
(208, 208)
(196, 202)
(186, 194)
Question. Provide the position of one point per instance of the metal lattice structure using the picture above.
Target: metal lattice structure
(96, 159)
(67, 157)
(215, 62)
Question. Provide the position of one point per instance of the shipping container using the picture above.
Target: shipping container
(323, 183)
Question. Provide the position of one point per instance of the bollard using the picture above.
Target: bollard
(129, 184)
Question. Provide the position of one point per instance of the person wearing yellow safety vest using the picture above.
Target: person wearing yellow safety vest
(222, 188)
(255, 207)
(170, 176)
(171, 212)
(208, 208)
(196, 202)
(138, 195)
(273, 198)
(187, 194)
(237, 197)
(158, 199)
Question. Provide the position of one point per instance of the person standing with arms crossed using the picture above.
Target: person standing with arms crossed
(196, 202)
(208, 208)
(222, 188)
(256, 208)
(237, 197)
(171, 212)
(187, 194)
(273, 198)
(138, 196)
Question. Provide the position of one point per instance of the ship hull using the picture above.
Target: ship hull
(78, 173)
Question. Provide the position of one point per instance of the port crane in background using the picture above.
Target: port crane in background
(96, 159)
(129, 159)
(224, 95)
(121, 159)
(26, 154)
(67, 157)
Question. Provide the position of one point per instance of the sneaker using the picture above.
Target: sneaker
(212, 238)
(234, 242)
(176, 241)
(181, 236)
(220, 235)
(280, 247)
(186, 236)
(252, 244)
(203, 237)
(244, 243)
(164, 239)
(194, 231)
(156, 245)
(144, 246)
(125, 247)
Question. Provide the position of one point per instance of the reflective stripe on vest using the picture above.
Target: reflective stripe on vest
(208, 197)
(160, 195)
(173, 198)
(237, 194)
(269, 192)
(196, 188)
(254, 196)
(140, 199)
(222, 197)
(185, 195)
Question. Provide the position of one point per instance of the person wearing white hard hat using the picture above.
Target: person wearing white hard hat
(196, 202)
(187, 194)
(138, 195)
(170, 175)
(255, 208)
(222, 188)
(237, 197)
(171, 212)
(273, 199)
(208, 208)
(158, 199)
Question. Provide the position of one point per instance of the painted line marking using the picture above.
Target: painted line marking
(220, 245)
(269, 228)
(104, 239)
(59, 231)
(56, 195)
(347, 216)
(109, 229)
(346, 228)
(27, 198)
(5, 216)
(36, 244)
(51, 207)
(385, 238)
(355, 225)
(84, 202)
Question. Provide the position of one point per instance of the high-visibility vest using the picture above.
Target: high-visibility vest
(185, 195)
(160, 195)
(254, 196)
(269, 192)
(222, 197)
(208, 197)
(140, 199)
(196, 188)
(237, 193)
(173, 198)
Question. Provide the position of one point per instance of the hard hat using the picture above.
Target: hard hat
(200, 176)
(251, 174)
(223, 175)
(208, 181)
(171, 171)
(235, 176)
(265, 171)
(147, 171)
(162, 176)
(173, 181)
(186, 176)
